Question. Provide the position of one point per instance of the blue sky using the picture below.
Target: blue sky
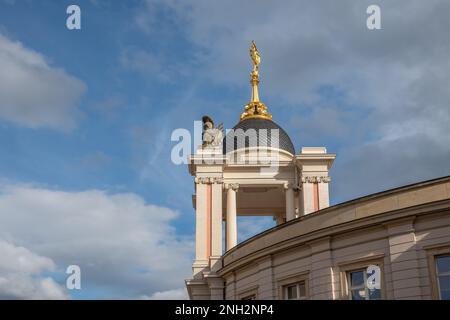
(86, 119)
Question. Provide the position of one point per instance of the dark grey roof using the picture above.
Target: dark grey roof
(234, 140)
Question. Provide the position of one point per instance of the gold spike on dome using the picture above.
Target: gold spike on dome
(255, 108)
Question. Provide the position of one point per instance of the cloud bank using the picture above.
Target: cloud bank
(21, 275)
(123, 246)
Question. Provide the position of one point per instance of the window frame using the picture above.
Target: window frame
(358, 265)
(432, 254)
(297, 287)
(247, 293)
(362, 286)
(444, 274)
(284, 282)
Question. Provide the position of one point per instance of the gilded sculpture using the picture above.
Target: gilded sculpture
(255, 108)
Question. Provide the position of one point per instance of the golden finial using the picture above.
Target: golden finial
(256, 58)
(255, 108)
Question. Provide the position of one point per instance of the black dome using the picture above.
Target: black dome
(264, 138)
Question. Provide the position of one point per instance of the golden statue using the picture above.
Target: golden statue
(255, 108)
(254, 54)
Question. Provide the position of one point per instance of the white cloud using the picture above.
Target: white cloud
(33, 93)
(21, 275)
(124, 246)
(20, 259)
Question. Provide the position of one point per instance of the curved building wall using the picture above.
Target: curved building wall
(402, 231)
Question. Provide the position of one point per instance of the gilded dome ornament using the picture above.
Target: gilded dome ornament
(255, 108)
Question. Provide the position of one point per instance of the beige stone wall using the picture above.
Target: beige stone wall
(400, 230)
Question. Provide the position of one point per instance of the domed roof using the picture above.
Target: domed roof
(235, 140)
(256, 127)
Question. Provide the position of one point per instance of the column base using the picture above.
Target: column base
(216, 286)
(198, 289)
(215, 263)
(210, 287)
(198, 267)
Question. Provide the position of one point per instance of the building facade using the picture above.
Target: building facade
(325, 255)
(390, 245)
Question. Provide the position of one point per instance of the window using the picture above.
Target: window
(358, 275)
(443, 276)
(357, 286)
(296, 291)
(248, 294)
(293, 286)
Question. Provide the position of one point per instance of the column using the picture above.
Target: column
(201, 226)
(314, 164)
(298, 210)
(316, 196)
(290, 207)
(324, 197)
(216, 223)
(307, 195)
(315, 193)
(231, 216)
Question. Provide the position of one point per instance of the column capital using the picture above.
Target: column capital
(201, 180)
(316, 179)
(218, 180)
(208, 180)
(233, 186)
